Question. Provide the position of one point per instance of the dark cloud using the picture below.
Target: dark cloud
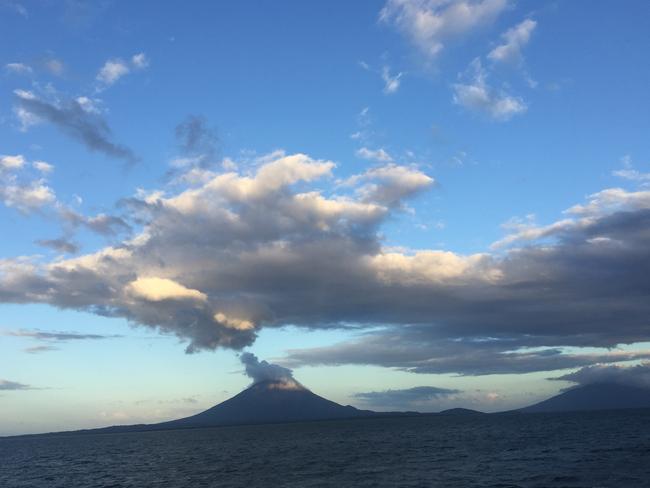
(407, 398)
(73, 119)
(6, 385)
(420, 350)
(638, 375)
(103, 224)
(260, 371)
(107, 225)
(197, 140)
(233, 254)
(60, 245)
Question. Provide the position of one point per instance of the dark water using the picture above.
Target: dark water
(605, 449)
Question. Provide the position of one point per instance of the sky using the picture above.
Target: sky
(410, 204)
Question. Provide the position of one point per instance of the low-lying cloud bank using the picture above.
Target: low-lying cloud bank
(416, 397)
(238, 251)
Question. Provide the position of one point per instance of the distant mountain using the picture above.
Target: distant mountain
(269, 402)
(597, 396)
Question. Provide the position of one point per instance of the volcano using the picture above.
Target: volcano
(269, 402)
(595, 396)
(264, 402)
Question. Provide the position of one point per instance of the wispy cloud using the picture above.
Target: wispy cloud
(73, 119)
(18, 68)
(140, 61)
(25, 193)
(57, 336)
(628, 172)
(15, 6)
(514, 40)
(116, 68)
(474, 94)
(54, 66)
(40, 349)
(112, 71)
(374, 154)
(430, 24)
(60, 245)
(391, 82)
(6, 385)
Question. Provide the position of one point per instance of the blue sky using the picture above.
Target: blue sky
(367, 192)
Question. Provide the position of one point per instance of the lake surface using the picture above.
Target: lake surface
(602, 449)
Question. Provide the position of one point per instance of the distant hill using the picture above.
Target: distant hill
(597, 396)
(460, 412)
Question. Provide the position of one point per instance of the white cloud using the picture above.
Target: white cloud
(581, 216)
(24, 116)
(633, 175)
(391, 83)
(476, 95)
(116, 68)
(374, 154)
(140, 61)
(12, 162)
(22, 193)
(390, 184)
(89, 105)
(43, 167)
(429, 24)
(159, 289)
(514, 39)
(612, 200)
(113, 70)
(18, 68)
(233, 322)
(27, 197)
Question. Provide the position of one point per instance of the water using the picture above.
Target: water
(604, 449)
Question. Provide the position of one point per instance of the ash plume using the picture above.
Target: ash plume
(261, 371)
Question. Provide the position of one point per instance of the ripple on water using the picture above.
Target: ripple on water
(603, 450)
